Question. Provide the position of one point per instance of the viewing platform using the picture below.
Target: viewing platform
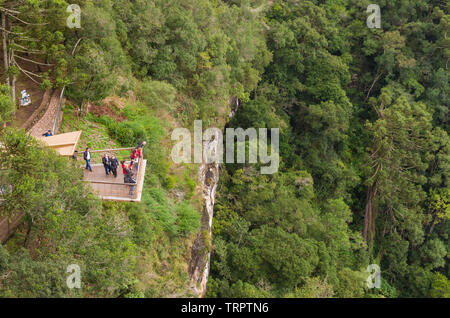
(110, 188)
(105, 186)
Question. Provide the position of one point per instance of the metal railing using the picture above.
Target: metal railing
(58, 112)
(119, 185)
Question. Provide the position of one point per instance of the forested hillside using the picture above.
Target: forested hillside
(133, 71)
(364, 147)
(364, 156)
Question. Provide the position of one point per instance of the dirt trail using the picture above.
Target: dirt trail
(23, 113)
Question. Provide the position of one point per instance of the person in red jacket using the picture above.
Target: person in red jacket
(137, 158)
(128, 176)
(124, 166)
(122, 163)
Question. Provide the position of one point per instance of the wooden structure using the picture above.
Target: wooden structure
(106, 186)
(113, 188)
(64, 144)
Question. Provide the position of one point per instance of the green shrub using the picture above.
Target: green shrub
(170, 182)
(156, 94)
(189, 220)
(142, 223)
(157, 204)
(127, 133)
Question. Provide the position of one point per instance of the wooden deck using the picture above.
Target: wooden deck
(109, 188)
(64, 144)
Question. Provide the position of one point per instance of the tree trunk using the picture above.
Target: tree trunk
(368, 215)
(5, 49)
(14, 89)
(433, 223)
(14, 79)
(27, 236)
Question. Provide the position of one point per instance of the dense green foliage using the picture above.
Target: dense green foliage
(65, 225)
(363, 114)
(7, 107)
(364, 148)
(182, 59)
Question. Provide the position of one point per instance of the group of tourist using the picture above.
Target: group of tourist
(110, 163)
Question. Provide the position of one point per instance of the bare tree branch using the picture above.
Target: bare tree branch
(28, 52)
(76, 44)
(25, 72)
(24, 22)
(18, 33)
(377, 77)
(25, 48)
(27, 39)
(35, 62)
(9, 10)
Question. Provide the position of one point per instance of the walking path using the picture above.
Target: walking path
(48, 119)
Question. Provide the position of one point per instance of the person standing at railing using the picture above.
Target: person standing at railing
(87, 158)
(134, 158)
(133, 154)
(137, 158)
(122, 164)
(106, 163)
(128, 177)
(124, 167)
(136, 155)
(114, 164)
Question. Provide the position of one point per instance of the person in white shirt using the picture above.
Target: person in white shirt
(87, 157)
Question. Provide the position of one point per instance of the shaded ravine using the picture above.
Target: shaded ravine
(199, 264)
(201, 249)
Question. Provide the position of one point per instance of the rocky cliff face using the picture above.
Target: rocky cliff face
(201, 249)
(209, 178)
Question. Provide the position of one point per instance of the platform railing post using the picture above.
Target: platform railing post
(138, 179)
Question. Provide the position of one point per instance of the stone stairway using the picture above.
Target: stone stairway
(47, 121)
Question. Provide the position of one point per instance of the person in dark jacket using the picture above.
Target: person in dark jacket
(129, 178)
(87, 158)
(106, 163)
(141, 144)
(48, 133)
(114, 163)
